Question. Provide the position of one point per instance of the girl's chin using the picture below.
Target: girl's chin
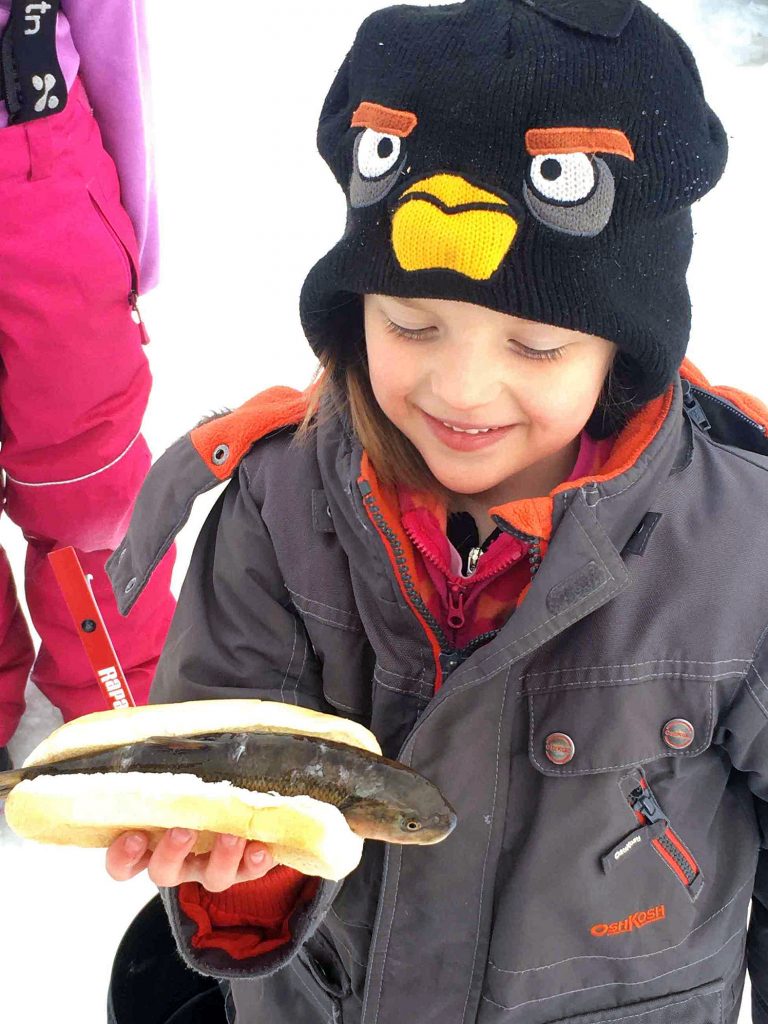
(462, 480)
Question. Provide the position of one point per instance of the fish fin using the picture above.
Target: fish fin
(177, 742)
(8, 780)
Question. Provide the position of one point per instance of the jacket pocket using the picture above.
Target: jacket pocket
(118, 226)
(701, 1005)
(616, 915)
(632, 730)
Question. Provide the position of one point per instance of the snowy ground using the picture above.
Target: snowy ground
(247, 207)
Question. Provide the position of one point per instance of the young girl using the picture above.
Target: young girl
(78, 243)
(512, 531)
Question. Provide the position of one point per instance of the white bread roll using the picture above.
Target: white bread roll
(92, 810)
(194, 717)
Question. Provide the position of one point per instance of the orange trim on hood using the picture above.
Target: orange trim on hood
(277, 407)
(240, 429)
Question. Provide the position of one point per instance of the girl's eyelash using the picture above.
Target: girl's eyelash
(403, 331)
(523, 350)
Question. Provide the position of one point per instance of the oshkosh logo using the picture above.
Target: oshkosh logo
(637, 920)
(627, 847)
(34, 19)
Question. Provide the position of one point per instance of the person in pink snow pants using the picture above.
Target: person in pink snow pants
(77, 247)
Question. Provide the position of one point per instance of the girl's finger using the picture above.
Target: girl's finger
(223, 863)
(127, 856)
(166, 865)
(256, 862)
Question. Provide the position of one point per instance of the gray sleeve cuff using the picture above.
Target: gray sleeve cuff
(216, 963)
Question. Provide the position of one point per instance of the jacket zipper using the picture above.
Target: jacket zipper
(397, 548)
(730, 407)
(533, 542)
(472, 559)
(450, 657)
(668, 845)
(693, 408)
(693, 405)
(456, 592)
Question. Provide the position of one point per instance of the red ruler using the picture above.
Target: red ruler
(93, 634)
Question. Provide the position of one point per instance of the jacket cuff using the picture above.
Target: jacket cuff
(214, 961)
(250, 918)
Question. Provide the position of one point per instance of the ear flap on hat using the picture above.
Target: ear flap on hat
(606, 18)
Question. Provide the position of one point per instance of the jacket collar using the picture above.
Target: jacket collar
(588, 523)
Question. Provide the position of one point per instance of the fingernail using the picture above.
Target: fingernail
(134, 845)
(181, 835)
(229, 840)
(256, 857)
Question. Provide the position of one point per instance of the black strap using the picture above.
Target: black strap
(32, 80)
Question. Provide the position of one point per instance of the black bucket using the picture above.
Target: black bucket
(151, 984)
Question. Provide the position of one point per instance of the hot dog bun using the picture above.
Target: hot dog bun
(127, 725)
(92, 810)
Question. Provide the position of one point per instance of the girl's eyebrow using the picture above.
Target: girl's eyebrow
(542, 141)
(384, 119)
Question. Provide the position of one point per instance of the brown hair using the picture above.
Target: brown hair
(343, 387)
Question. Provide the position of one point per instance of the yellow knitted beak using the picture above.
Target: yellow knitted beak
(445, 222)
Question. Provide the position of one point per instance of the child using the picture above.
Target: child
(74, 235)
(512, 531)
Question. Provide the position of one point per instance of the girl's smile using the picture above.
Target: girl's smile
(465, 437)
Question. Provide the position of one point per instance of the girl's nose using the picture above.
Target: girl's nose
(465, 387)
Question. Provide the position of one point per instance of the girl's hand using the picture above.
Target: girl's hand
(231, 860)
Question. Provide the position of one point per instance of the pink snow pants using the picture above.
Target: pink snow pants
(74, 384)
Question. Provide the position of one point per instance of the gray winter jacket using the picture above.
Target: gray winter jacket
(606, 752)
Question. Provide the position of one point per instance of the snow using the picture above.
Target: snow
(738, 27)
(247, 207)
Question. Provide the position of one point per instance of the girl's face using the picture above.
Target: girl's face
(529, 387)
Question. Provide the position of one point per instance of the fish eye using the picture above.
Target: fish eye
(412, 825)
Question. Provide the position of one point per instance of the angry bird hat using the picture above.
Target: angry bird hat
(538, 157)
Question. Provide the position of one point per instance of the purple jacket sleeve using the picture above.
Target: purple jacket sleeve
(111, 39)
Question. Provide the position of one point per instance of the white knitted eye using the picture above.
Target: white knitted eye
(377, 153)
(563, 177)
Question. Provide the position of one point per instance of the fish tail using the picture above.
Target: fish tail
(8, 780)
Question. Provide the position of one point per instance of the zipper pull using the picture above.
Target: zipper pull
(472, 559)
(133, 299)
(449, 660)
(644, 801)
(640, 837)
(692, 407)
(455, 606)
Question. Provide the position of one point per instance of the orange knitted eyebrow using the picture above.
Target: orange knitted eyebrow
(541, 141)
(384, 119)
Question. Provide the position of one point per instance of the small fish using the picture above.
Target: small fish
(380, 798)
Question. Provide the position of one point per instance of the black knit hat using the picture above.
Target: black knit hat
(538, 157)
